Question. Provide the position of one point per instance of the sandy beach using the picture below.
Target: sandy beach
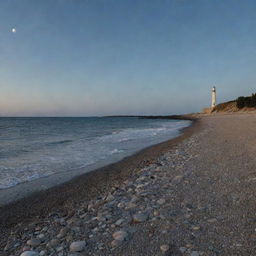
(193, 195)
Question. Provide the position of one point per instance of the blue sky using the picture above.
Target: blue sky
(100, 57)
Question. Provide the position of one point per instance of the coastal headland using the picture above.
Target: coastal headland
(193, 195)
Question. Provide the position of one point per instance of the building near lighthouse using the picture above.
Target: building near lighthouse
(213, 96)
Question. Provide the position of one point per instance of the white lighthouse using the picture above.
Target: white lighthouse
(213, 96)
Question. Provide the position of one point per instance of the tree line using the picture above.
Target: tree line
(249, 101)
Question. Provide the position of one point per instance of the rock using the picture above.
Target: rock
(139, 217)
(29, 253)
(120, 235)
(164, 248)
(33, 242)
(41, 237)
(212, 220)
(182, 249)
(77, 246)
(53, 243)
(196, 228)
(59, 249)
(119, 222)
(110, 197)
(161, 201)
(42, 253)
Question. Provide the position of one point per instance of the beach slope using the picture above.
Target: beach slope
(197, 197)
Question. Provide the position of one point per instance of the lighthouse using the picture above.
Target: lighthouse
(213, 96)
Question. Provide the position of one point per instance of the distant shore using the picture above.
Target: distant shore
(190, 117)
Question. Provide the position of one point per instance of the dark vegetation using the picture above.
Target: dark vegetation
(249, 101)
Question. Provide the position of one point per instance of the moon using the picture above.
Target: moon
(13, 30)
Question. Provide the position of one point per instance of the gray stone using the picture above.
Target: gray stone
(182, 249)
(119, 222)
(33, 242)
(77, 246)
(161, 201)
(29, 253)
(140, 217)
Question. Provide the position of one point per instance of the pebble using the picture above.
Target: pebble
(33, 242)
(77, 246)
(140, 217)
(41, 236)
(161, 201)
(29, 253)
(119, 222)
(182, 249)
(120, 235)
(164, 248)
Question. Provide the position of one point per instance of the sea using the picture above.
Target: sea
(31, 148)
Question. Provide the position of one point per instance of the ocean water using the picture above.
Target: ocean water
(31, 148)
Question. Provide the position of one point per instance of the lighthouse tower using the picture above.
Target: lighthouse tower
(213, 96)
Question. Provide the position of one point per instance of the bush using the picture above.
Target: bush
(249, 102)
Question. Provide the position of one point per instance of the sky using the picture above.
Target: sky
(104, 57)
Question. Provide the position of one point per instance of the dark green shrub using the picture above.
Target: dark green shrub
(240, 102)
(249, 101)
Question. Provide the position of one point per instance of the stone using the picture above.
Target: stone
(29, 253)
(139, 217)
(41, 237)
(212, 220)
(161, 201)
(119, 222)
(120, 235)
(33, 242)
(182, 249)
(77, 246)
(59, 249)
(110, 197)
(196, 228)
(42, 253)
(164, 248)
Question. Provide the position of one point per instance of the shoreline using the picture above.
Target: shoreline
(88, 185)
(190, 196)
(25, 189)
